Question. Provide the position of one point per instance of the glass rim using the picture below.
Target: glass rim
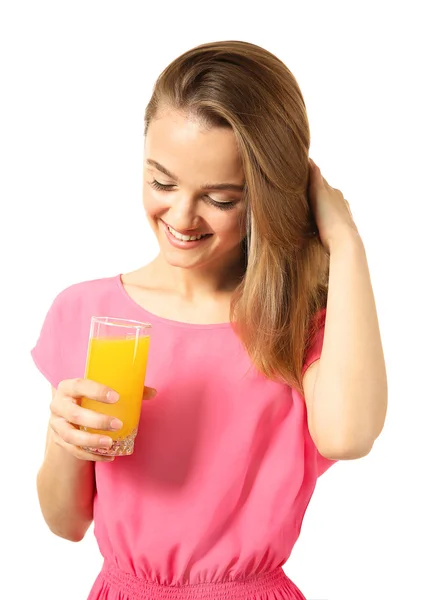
(119, 322)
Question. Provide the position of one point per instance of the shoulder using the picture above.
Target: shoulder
(74, 305)
(82, 293)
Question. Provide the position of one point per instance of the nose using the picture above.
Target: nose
(183, 212)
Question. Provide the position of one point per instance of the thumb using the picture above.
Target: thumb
(149, 393)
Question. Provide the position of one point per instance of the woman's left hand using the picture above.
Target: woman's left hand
(330, 209)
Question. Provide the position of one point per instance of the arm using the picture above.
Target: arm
(66, 489)
(346, 390)
(66, 479)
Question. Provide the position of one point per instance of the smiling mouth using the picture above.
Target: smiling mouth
(185, 238)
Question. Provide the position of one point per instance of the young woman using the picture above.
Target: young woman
(266, 359)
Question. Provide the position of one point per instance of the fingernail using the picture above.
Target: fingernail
(106, 442)
(116, 424)
(112, 396)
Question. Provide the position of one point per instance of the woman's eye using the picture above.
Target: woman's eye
(220, 205)
(161, 186)
(167, 187)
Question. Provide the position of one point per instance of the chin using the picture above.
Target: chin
(182, 262)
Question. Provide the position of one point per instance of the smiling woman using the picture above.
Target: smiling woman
(181, 205)
(243, 128)
(211, 502)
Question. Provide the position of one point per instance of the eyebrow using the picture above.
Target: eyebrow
(234, 187)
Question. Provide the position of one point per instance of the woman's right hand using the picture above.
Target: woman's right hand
(67, 415)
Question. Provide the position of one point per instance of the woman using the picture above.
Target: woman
(266, 353)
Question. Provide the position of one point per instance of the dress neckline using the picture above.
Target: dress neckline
(155, 318)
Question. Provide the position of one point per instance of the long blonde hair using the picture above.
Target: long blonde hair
(243, 86)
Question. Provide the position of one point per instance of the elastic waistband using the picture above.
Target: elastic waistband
(139, 589)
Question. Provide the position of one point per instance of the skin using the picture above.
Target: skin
(199, 281)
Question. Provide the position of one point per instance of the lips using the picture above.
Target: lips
(183, 244)
(188, 233)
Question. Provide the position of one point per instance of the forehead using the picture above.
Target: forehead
(191, 151)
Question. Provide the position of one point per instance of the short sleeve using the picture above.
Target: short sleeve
(314, 352)
(60, 350)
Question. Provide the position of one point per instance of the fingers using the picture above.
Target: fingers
(75, 414)
(80, 388)
(74, 449)
(69, 420)
(67, 415)
(313, 165)
(317, 177)
(76, 437)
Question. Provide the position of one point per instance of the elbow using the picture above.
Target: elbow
(344, 451)
(63, 520)
(65, 527)
(343, 447)
(72, 534)
(347, 441)
(346, 454)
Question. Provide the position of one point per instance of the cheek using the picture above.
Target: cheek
(230, 224)
(153, 203)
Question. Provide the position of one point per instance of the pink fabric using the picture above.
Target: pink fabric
(213, 498)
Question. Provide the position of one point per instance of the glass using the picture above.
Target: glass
(117, 357)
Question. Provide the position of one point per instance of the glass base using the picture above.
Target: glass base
(120, 447)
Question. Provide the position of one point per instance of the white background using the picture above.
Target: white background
(75, 78)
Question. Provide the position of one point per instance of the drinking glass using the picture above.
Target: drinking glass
(117, 357)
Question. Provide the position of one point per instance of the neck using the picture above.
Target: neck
(202, 281)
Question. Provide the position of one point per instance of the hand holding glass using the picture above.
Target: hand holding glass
(117, 357)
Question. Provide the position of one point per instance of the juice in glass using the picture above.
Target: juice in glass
(117, 357)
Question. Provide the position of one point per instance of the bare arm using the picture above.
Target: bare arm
(66, 479)
(66, 488)
(346, 390)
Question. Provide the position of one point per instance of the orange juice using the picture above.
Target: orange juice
(119, 363)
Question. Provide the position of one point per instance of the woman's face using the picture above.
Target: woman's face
(193, 188)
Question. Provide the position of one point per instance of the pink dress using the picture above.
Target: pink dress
(211, 503)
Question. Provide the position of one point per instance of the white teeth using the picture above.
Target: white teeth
(184, 238)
